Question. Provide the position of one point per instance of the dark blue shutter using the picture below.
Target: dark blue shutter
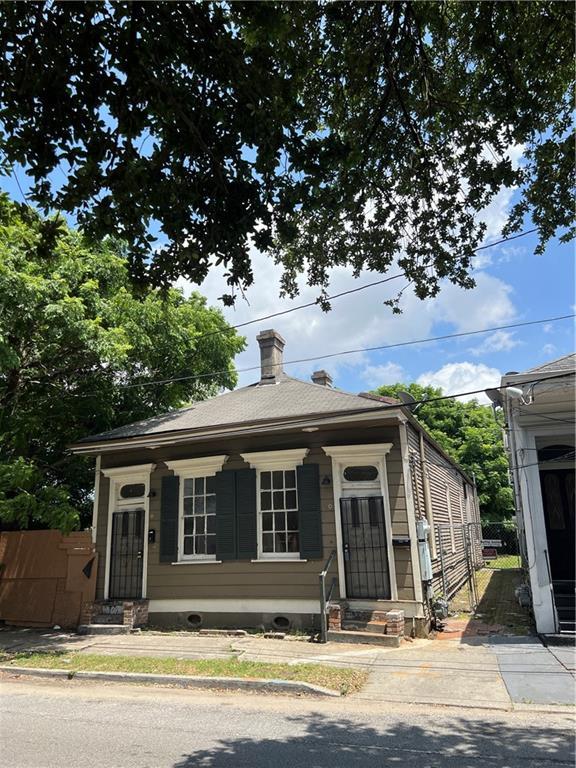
(309, 512)
(246, 514)
(226, 515)
(169, 519)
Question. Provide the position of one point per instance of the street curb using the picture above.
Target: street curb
(182, 681)
(543, 709)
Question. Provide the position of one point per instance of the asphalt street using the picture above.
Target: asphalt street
(49, 724)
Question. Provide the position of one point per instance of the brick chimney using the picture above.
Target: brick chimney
(323, 378)
(271, 355)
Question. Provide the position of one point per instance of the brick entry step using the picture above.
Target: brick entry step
(113, 617)
(347, 625)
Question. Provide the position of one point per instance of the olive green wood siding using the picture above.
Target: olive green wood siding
(266, 579)
(446, 481)
(101, 532)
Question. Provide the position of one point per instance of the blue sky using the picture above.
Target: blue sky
(513, 285)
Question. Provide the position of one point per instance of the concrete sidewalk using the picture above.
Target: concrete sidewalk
(492, 672)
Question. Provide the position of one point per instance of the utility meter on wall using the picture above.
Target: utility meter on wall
(422, 532)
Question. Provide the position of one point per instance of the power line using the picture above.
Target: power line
(353, 351)
(317, 302)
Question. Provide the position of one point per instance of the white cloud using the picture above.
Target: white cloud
(356, 321)
(500, 341)
(463, 377)
(378, 375)
(548, 349)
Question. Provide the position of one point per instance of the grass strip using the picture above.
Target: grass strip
(345, 681)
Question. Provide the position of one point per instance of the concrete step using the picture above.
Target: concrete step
(103, 629)
(379, 627)
(563, 638)
(106, 618)
(369, 638)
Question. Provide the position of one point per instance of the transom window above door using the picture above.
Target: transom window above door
(361, 474)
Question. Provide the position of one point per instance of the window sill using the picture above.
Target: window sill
(196, 562)
(279, 560)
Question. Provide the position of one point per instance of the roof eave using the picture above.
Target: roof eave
(172, 437)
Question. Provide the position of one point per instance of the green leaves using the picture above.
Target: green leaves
(75, 344)
(470, 434)
(328, 134)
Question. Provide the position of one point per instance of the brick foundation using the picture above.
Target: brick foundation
(395, 623)
(130, 613)
(335, 618)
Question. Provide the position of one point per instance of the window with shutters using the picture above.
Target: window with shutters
(196, 493)
(283, 520)
(279, 513)
(198, 525)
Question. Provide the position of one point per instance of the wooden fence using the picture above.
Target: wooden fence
(45, 577)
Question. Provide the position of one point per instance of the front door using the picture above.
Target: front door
(126, 555)
(365, 547)
(558, 500)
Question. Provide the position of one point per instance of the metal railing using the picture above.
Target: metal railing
(325, 598)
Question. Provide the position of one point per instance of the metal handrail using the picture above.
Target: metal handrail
(324, 598)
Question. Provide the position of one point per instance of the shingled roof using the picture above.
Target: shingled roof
(565, 363)
(286, 398)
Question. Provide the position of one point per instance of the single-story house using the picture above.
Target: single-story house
(225, 512)
(539, 406)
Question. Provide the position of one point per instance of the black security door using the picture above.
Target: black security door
(126, 557)
(364, 544)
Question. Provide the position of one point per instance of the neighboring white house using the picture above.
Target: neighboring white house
(539, 405)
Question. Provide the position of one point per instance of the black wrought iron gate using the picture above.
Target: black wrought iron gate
(365, 551)
(126, 556)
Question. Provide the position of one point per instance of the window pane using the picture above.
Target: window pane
(278, 500)
(198, 505)
(266, 500)
(188, 487)
(188, 545)
(211, 484)
(267, 522)
(188, 526)
(360, 474)
(292, 521)
(278, 479)
(293, 542)
(290, 479)
(291, 502)
(200, 545)
(132, 491)
(280, 542)
(267, 540)
(200, 524)
(199, 486)
(210, 505)
(211, 545)
(211, 524)
(188, 506)
(279, 521)
(265, 481)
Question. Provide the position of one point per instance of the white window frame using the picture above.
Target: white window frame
(190, 469)
(118, 477)
(269, 461)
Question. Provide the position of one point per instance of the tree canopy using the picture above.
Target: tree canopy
(75, 348)
(349, 133)
(470, 434)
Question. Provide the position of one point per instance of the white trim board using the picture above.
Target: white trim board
(238, 605)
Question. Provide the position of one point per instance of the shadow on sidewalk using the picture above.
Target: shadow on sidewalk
(340, 743)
